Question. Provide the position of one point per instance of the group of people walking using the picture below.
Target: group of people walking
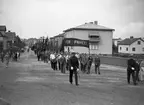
(73, 62)
(70, 61)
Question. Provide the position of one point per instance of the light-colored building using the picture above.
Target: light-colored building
(116, 41)
(100, 38)
(131, 46)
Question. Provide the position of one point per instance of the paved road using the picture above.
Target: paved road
(29, 82)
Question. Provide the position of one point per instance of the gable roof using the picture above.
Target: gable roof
(2, 28)
(129, 41)
(89, 26)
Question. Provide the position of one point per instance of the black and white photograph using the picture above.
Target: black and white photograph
(71, 52)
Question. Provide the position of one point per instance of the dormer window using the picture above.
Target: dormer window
(139, 42)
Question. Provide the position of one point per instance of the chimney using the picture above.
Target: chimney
(131, 37)
(96, 22)
(91, 22)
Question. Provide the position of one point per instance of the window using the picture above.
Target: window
(127, 49)
(133, 49)
(139, 42)
(93, 46)
(120, 48)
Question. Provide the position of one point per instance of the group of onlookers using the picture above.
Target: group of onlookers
(6, 56)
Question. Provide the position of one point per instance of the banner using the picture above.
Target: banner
(76, 42)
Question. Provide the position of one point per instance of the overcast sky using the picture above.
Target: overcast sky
(35, 18)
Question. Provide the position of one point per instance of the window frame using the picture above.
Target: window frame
(93, 46)
(120, 48)
(139, 42)
(133, 49)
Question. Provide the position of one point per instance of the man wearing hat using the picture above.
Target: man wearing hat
(74, 68)
(131, 70)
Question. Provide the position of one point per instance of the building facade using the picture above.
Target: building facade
(3, 42)
(56, 42)
(10, 38)
(131, 46)
(100, 38)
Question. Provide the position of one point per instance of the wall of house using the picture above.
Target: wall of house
(139, 49)
(123, 49)
(104, 45)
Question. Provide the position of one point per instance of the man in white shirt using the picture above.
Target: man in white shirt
(52, 57)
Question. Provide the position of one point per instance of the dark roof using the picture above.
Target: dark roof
(60, 35)
(2, 28)
(117, 39)
(129, 41)
(90, 26)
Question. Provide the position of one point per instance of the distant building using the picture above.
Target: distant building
(131, 46)
(99, 37)
(56, 42)
(11, 38)
(30, 41)
(116, 41)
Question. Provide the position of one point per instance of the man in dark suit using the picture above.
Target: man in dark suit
(90, 60)
(97, 64)
(74, 68)
(131, 70)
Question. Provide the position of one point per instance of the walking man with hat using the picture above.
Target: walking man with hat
(74, 68)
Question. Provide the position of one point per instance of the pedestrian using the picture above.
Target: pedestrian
(62, 63)
(141, 73)
(58, 59)
(7, 58)
(131, 68)
(137, 67)
(52, 58)
(97, 64)
(74, 68)
(90, 60)
(15, 56)
(67, 62)
(18, 55)
(38, 55)
(2, 56)
(83, 61)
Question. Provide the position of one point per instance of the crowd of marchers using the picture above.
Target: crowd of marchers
(62, 61)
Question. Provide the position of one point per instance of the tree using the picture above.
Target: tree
(114, 48)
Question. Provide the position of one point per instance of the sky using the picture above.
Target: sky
(36, 18)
